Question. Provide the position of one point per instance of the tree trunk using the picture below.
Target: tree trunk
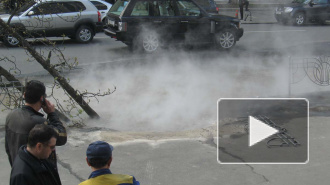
(16, 83)
(46, 65)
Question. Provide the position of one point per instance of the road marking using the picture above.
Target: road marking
(101, 37)
(273, 31)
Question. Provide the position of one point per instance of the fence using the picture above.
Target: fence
(317, 70)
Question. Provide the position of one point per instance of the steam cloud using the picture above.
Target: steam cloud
(178, 93)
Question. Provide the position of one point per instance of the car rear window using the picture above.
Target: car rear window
(99, 6)
(141, 8)
(118, 7)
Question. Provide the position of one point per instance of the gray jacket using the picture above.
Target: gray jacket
(20, 121)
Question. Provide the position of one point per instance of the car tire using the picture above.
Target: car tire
(149, 42)
(299, 19)
(226, 39)
(84, 34)
(10, 41)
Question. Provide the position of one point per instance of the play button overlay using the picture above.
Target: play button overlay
(263, 131)
(259, 131)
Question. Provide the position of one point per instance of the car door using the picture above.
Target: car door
(328, 10)
(320, 9)
(139, 18)
(193, 24)
(164, 20)
(39, 20)
(68, 14)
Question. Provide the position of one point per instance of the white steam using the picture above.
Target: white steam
(178, 93)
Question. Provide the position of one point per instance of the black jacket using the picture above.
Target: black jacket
(18, 125)
(28, 170)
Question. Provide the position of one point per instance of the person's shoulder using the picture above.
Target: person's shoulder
(113, 178)
(14, 112)
(20, 166)
(123, 178)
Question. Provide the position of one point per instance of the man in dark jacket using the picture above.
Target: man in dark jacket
(31, 166)
(20, 121)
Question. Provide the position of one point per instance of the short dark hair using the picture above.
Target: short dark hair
(34, 89)
(98, 162)
(41, 133)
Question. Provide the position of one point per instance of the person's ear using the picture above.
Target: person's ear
(38, 147)
(109, 162)
(42, 98)
(88, 162)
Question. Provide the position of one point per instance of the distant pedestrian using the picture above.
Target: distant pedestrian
(20, 121)
(241, 4)
(99, 158)
(31, 166)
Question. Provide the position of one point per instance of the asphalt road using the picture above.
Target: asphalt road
(258, 40)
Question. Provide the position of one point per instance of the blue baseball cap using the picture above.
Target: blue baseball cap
(99, 149)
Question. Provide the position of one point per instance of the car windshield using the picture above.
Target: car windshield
(25, 7)
(118, 7)
(301, 1)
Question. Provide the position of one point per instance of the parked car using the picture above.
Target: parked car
(77, 19)
(209, 6)
(301, 11)
(150, 24)
(103, 8)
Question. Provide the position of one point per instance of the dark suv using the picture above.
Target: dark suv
(301, 11)
(149, 24)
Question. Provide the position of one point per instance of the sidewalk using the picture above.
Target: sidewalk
(184, 161)
(256, 14)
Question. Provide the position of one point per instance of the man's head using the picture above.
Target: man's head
(34, 90)
(99, 154)
(42, 141)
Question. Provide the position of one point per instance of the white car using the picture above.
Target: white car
(103, 8)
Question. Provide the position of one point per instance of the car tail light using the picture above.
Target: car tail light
(98, 16)
(122, 26)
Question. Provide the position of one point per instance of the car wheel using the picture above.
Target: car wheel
(84, 34)
(299, 19)
(150, 42)
(11, 41)
(226, 39)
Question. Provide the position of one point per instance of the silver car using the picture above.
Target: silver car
(77, 19)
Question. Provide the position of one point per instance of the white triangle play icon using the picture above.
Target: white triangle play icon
(259, 131)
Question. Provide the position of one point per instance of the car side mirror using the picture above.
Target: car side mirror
(30, 13)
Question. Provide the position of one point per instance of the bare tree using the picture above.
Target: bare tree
(44, 61)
